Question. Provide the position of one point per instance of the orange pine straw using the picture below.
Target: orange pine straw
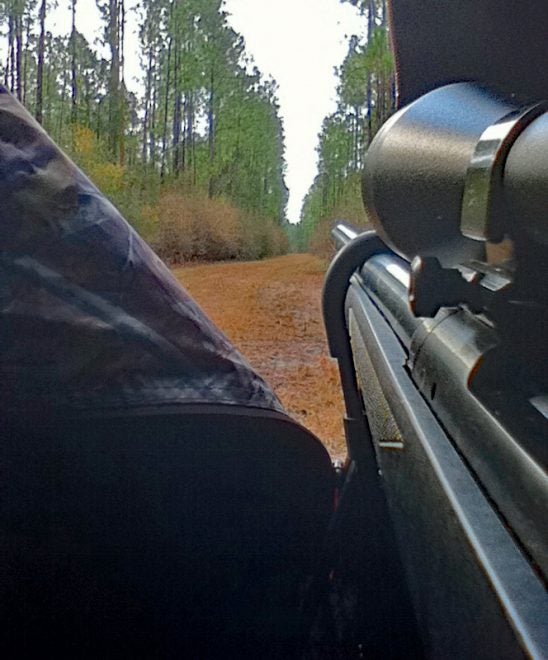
(271, 311)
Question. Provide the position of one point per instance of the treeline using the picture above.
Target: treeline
(205, 138)
(365, 99)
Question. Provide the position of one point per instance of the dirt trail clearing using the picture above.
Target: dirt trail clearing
(271, 311)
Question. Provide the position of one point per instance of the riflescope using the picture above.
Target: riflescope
(457, 168)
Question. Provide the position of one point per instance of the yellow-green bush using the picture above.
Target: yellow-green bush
(261, 238)
(87, 151)
(315, 233)
(188, 227)
(180, 224)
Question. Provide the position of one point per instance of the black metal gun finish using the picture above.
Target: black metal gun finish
(463, 461)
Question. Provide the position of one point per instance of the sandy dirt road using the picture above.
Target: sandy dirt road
(271, 311)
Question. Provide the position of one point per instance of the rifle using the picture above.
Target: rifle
(442, 355)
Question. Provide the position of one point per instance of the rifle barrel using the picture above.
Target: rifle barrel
(343, 233)
(386, 278)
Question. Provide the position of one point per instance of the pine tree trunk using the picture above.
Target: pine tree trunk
(184, 133)
(166, 104)
(369, 103)
(176, 112)
(114, 79)
(121, 85)
(18, 57)
(192, 140)
(177, 133)
(11, 55)
(146, 118)
(73, 80)
(371, 14)
(26, 52)
(211, 133)
(152, 125)
(40, 64)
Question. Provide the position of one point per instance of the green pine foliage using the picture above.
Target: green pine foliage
(205, 136)
(365, 99)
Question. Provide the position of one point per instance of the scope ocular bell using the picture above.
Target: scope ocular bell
(460, 166)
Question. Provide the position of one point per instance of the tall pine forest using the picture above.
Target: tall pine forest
(195, 161)
(365, 99)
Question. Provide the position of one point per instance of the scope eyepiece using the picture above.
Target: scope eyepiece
(459, 166)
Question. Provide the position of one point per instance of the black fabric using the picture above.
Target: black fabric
(501, 43)
(159, 536)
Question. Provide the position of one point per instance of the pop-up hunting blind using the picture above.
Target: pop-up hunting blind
(155, 498)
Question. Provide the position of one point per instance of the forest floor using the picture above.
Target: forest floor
(271, 312)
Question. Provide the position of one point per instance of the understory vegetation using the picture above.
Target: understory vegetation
(196, 163)
(183, 228)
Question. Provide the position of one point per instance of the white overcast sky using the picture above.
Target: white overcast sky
(297, 42)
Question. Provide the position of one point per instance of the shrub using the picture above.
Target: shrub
(180, 224)
(348, 209)
(196, 227)
(261, 238)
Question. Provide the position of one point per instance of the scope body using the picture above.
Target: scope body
(419, 164)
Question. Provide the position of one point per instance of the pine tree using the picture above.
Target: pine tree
(365, 98)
